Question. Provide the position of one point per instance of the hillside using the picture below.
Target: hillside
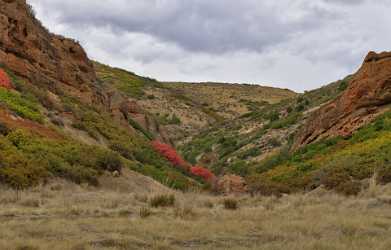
(185, 109)
(336, 136)
(258, 133)
(58, 119)
(63, 115)
(98, 157)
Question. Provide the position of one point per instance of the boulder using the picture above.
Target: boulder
(231, 184)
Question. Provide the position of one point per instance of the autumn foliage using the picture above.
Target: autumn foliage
(170, 154)
(5, 82)
(202, 172)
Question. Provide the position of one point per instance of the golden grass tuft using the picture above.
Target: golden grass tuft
(230, 204)
(162, 200)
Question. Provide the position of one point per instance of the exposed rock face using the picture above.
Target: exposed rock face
(131, 110)
(368, 94)
(29, 50)
(231, 184)
(58, 63)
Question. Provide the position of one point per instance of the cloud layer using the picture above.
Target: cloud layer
(297, 44)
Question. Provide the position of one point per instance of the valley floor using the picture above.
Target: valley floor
(66, 216)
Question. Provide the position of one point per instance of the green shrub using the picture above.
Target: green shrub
(109, 161)
(274, 142)
(27, 160)
(300, 107)
(35, 93)
(175, 120)
(384, 173)
(129, 83)
(230, 204)
(266, 187)
(252, 152)
(349, 187)
(274, 116)
(138, 127)
(4, 130)
(269, 163)
(167, 120)
(343, 85)
(286, 122)
(164, 200)
(239, 168)
(21, 105)
(145, 212)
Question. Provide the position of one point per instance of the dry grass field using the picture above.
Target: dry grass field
(66, 216)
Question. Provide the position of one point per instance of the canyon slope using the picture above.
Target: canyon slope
(335, 136)
(63, 115)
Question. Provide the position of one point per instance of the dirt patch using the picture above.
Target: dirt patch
(131, 182)
(15, 122)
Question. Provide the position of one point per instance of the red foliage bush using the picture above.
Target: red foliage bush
(5, 82)
(202, 172)
(170, 154)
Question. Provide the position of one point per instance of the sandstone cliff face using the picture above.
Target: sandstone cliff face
(368, 94)
(60, 65)
(29, 50)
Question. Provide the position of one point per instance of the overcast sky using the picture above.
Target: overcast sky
(296, 44)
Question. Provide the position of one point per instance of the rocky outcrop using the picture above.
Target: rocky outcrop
(32, 52)
(231, 184)
(132, 111)
(60, 65)
(367, 95)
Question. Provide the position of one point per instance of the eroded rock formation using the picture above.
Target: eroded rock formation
(368, 94)
(32, 52)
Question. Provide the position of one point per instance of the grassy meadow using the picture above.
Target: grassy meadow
(68, 216)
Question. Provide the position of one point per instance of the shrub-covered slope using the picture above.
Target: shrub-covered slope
(184, 109)
(57, 119)
(62, 115)
(237, 144)
(270, 147)
(337, 163)
(43, 137)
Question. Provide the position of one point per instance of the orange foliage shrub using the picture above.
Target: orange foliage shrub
(204, 173)
(170, 154)
(5, 82)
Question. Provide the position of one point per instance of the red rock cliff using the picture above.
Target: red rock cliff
(368, 94)
(29, 50)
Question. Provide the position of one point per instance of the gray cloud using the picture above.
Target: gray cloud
(198, 25)
(284, 43)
